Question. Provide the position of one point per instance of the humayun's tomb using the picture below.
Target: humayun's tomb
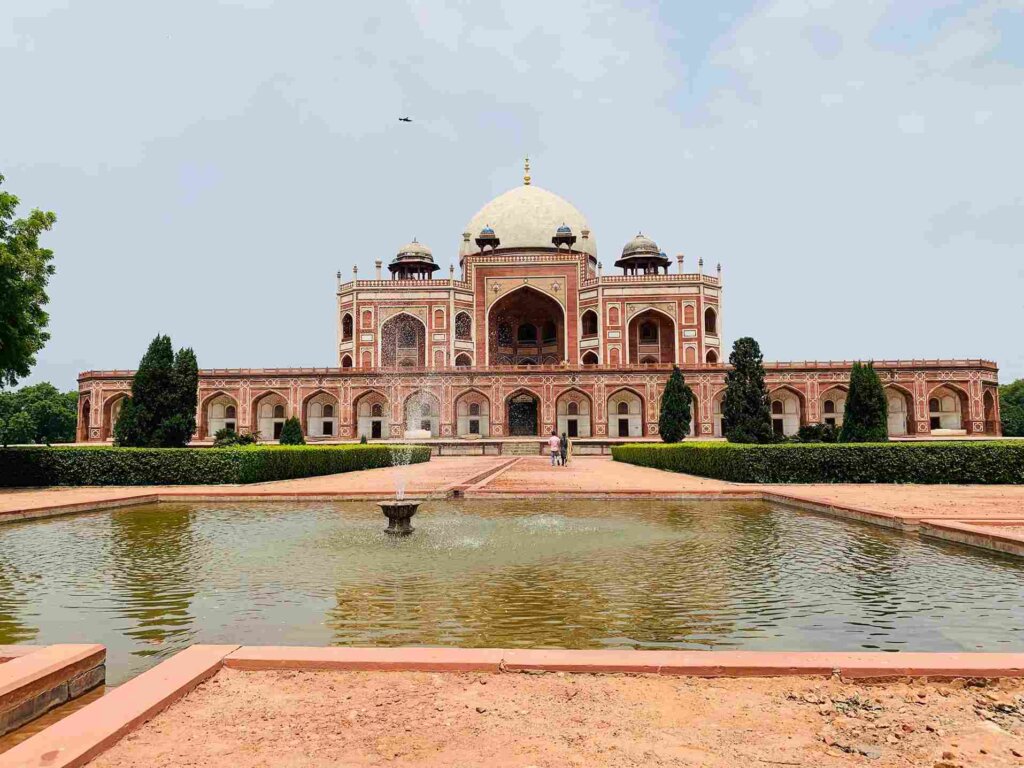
(533, 336)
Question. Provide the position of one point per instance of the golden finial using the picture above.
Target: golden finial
(526, 172)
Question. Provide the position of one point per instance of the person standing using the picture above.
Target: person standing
(555, 446)
(563, 449)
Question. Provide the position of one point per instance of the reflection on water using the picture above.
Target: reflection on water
(587, 574)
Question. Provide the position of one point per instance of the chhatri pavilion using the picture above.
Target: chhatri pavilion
(532, 335)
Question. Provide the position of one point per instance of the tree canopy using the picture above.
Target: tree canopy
(746, 417)
(1011, 408)
(38, 414)
(676, 408)
(161, 412)
(25, 271)
(866, 418)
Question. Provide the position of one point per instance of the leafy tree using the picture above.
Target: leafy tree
(25, 271)
(866, 419)
(291, 432)
(676, 403)
(746, 417)
(18, 429)
(161, 412)
(52, 413)
(1011, 408)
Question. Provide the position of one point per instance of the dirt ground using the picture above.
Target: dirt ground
(290, 719)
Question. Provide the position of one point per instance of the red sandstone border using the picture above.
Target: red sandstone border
(83, 735)
(34, 680)
(977, 533)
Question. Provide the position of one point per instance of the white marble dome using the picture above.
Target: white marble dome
(528, 217)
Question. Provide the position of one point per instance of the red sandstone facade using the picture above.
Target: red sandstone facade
(534, 337)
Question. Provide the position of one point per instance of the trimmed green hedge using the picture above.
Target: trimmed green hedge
(103, 465)
(988, 462)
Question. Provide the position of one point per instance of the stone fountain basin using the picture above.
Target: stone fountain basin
(399, 512)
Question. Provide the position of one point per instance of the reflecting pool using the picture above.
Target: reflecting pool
(148, 580)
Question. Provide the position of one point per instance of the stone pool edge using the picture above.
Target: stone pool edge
(36, 679)
(83, 735)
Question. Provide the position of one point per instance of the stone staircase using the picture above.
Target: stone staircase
(521, 448)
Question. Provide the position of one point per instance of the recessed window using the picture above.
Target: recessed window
(527, 334)
(589, 323)
(648, 332)
(710, 321)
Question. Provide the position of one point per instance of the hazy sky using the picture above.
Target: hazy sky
(856, 167)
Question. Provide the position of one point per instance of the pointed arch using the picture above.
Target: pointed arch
(371, 413)
(347, 327)
(953, 411)
(590, 358)
(346, 360)
(463, 326)
(990, 410)
(421, 412)
(267, 413)
(574, 421)
(710, 321)
(319, 414)
(472, 409)
(832, 404)
(111, 410)
(791, 413)
(588, 323)
(523, 412)
(626, 411)
(84, 417)
(901, 419)
(402, 342)
(718, 423)
(667, 342)
(212, 420)
(505, 342)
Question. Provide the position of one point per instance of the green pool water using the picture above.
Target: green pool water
(148, 580)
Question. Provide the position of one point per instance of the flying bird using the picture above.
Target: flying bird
(405, 119)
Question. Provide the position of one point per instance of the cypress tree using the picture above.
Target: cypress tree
(291, 432)
(161, 411)
(676, 403)
(745, 414)
(179, 427)
(866, 419)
